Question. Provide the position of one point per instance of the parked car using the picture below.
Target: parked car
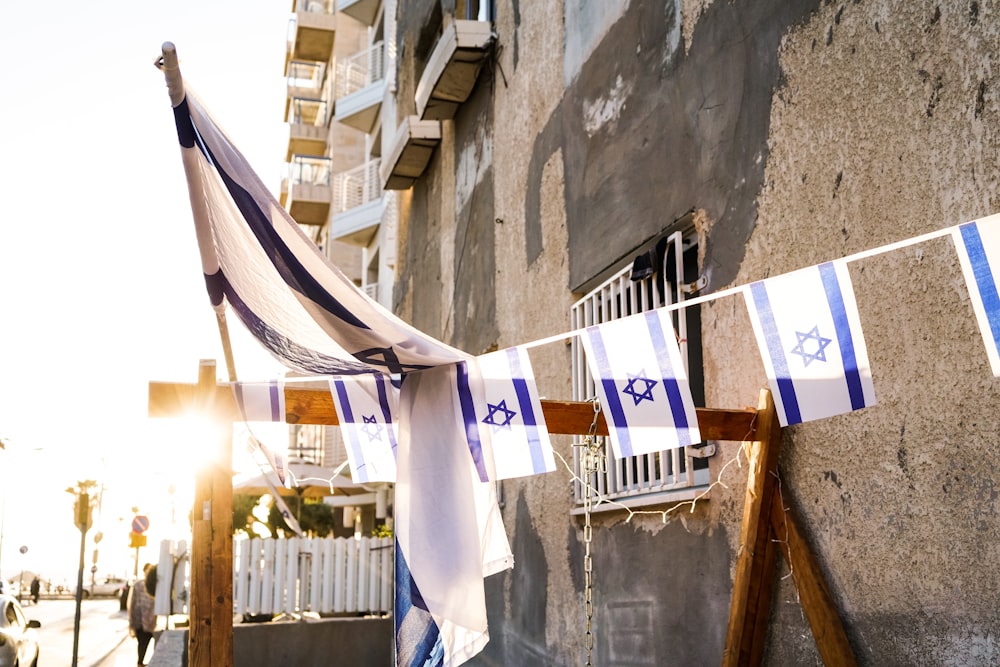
(106, 587)
(18, 640)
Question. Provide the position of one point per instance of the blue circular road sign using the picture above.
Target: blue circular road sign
(140, 523)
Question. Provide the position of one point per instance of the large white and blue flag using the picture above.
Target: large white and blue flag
(978, 245)
(366, 409)
(810, 339)
(307, 313)
(511, 412)
(642, 384)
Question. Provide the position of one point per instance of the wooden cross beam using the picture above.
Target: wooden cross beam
(314, 405)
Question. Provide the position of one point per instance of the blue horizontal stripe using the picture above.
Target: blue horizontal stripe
(607, 382)
(668, 375)
(782, 376)
(845, 337)
(527, 410)
(985, 284)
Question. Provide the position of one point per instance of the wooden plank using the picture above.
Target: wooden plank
(751, 594)
(210, 638)
(814, 594)
(200, 632)
(314, 405)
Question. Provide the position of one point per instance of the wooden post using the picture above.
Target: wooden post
(210, 637)
(754, 582)
(814, 595)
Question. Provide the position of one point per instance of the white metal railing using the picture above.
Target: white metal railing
(356, 187)
(308, 170)
(322, 575)
(360, 70)
(307, 111)
(304, 74)
(315, 6)
(619, 297)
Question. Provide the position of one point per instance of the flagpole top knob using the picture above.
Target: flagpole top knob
(167, 63)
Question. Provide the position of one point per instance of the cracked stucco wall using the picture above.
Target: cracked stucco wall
(802, 131)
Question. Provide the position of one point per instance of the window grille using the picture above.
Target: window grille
(670, 475)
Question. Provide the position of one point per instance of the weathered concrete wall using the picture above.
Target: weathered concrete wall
(803, 131)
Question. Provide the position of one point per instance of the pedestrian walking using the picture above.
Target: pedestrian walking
(141, 616)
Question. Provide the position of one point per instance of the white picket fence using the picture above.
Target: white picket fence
(322, 575)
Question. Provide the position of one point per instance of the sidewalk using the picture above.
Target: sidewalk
(122, 654)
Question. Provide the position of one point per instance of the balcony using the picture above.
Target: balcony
(410, 152)
(304, 80)
(311, 33)
(365, 11)
(452, 69)
(307, 127)
(360, 85)
(357, 204)
(308, 189)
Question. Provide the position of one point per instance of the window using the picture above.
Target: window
(667, 476)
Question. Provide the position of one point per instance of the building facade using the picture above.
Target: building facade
(559, 163)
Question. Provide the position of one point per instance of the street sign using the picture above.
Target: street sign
(23, 550)
(140, 523)
(136, 540)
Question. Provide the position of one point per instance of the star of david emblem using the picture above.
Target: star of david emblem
(820, 346)
(499, 409)
(646, 394)
(371, 428)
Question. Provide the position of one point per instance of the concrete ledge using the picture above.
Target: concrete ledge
(360, 642)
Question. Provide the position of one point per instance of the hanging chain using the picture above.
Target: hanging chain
(592, 460)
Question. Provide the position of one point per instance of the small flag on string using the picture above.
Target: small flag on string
(810, 340)
(366, 407)
(264, 403)
(642, 384)
(260, 401)
(512, 412)
(978, 245)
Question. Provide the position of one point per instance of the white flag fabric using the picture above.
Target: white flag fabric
(366, 408)
(810, 339)
(512, 413)
(306, 312)
(978, 245)
(642, 384)
(264, 402)
(449, 533)
(261, 401)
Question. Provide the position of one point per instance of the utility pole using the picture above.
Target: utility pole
(82, 517)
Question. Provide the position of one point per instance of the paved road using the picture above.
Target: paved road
(103, 627)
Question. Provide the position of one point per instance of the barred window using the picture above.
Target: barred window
(670, 475)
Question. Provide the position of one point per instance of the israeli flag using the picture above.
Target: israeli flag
(810, 340)
(260, 401)
(512, 412)
(978, 245)
(642, 384)
(366, 408)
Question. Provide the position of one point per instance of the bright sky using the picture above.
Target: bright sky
(101, 290)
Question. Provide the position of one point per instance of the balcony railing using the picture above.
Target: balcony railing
(360, 70)
(309, 170)
(356, 187)
(305, 75)
(305, 111)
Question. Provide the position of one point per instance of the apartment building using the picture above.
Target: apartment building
(542, 166)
